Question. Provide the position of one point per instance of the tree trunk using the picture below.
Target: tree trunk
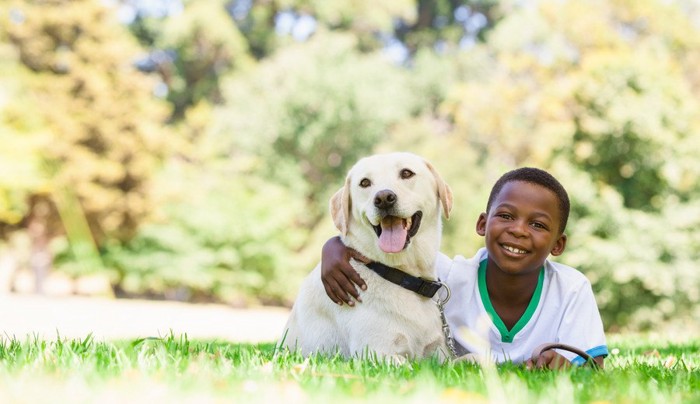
(40, 258)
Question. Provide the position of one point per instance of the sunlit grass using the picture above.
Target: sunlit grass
(175, 369)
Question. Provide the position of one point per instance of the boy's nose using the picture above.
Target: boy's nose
(518, 227)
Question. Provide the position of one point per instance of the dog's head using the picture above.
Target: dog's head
(393, 197)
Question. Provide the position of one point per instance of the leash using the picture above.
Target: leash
(546, 347)
(449, 341)
(421, 286)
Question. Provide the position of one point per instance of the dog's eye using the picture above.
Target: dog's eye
(406, 173)
(365, 183)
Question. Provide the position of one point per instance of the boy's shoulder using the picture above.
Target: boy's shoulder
(474, 260)
(459, 266)
(565, 274)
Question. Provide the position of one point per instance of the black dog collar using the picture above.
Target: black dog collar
(421, 286)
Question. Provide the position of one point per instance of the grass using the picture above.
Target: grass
(175, 369)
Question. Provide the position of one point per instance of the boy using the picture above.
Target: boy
(508, 290)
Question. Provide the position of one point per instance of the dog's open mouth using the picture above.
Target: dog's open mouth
(395, 232)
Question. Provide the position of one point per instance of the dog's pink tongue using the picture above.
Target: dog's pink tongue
(393, 237)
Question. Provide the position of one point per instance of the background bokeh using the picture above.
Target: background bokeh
(186, 150)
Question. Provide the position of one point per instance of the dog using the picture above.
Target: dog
(389, 210)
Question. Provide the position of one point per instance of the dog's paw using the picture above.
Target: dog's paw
(397, 360)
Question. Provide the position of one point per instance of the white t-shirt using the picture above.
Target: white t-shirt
(562, 310)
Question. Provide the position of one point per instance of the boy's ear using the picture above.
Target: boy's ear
(559, 245)
(481, 225)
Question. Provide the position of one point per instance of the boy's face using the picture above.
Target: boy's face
(522, 228)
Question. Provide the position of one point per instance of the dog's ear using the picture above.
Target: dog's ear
(340, 207)
(443, 190)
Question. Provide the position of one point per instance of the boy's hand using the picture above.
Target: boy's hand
(545, 357)
(338, 276)
(548, 360)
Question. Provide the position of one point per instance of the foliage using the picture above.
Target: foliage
(207, 45)
(204, 246)
(101, 149)
(173, 368)
(321, 103)
(22, 138)
(629, 260)
(415, 24)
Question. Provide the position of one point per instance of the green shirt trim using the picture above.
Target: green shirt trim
(506, 334)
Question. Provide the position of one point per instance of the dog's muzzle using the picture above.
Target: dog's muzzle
(395, 233)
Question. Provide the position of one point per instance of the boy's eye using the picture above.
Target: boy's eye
(504, 215)
(539, 225)
(406, 174)
(365, 182)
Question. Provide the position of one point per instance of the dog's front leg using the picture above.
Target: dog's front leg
(385, 346)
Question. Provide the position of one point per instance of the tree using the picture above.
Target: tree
(193, 50)
(22, 137)
(412, 24)
(313, 109)
(78, 70)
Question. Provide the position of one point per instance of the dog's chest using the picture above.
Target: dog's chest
(392, 320)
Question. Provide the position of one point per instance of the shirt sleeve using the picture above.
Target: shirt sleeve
(582, 326)
(443, 264)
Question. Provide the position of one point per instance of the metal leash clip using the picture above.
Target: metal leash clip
(446, 328)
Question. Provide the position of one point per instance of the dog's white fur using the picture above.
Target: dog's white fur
(391, 322)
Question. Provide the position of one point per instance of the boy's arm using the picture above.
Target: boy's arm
(338, 276)
(582, 326)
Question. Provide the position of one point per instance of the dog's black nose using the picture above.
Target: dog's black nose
(384, 199)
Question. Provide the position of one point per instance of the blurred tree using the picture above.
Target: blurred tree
(98, 151)
(222, 235)
(193, 50)
(257, 21)
(642, 277)
(313, 110)
(22, 137)
(409, 24)
(605, 101)
(632, 114)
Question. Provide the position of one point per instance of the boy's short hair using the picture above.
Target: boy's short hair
(538, 177)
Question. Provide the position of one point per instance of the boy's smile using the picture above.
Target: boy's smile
(521, 228)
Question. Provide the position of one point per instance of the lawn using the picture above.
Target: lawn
(175, 369)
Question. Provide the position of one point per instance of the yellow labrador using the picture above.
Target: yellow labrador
(390, 211)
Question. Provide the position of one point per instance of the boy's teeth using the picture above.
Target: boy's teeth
(514, 250)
